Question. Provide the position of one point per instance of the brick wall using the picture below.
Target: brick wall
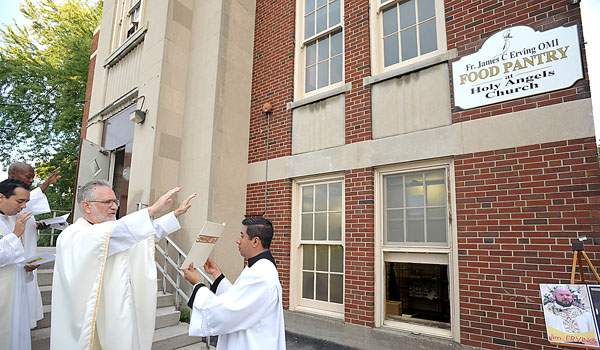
(279, 211)
(89, 84)
(470, 23)
(517, 211)
(357, 65)
(359, 288)
(272, 79)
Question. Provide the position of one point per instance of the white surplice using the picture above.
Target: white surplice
(104, 287)
(246, 315)
(14, 320)
(38, 204)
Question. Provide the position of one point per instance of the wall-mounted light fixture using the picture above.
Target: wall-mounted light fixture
(137, 116)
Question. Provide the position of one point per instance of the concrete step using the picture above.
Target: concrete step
(46, 294)
(165, 299)
(44, 277)
(167, 316)
(40, 339)
(197, 346)
(173, 337)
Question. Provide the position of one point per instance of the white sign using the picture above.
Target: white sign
(517, 62)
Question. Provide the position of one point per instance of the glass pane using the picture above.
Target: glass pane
(426, 9)
(321, 226)
(307, 198)
(336, 69)
(436, 188)
(336, 43)
(322, 287)
(309, 6)
(335, 226)
(308, 257)
(337, 289)
(308, 285)
(436, 225)
(321, 3)
(395, 225)
(390, 50)
(414, 190)
(321, 197)
(307, 226)
(322, 258)
(427, 38)
(323, 49)
(415, 225)
(407, 14)
(321, 19)
(311, 78)
(337, 258)
(409, 43)
(335, 196)
(309, 26)
(390, 21)
(323, 79)
(334, 13)
(394, 191)
(384, 1)
(311, 54)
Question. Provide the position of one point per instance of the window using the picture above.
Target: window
(128, 21)
(408, 30)
(321, 45)
(416, 250)
(320, 254)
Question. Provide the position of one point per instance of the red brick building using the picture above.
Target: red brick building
(396, 209)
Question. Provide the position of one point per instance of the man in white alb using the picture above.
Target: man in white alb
(14, 320)
(104, 287)
(38, 204)
(248, 314)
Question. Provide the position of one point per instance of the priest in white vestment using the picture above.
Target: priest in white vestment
(249, 313)
(38, 204)
(14, 318)
(563, 315)
(104, 287)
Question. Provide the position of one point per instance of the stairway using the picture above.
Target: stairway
(169, 333)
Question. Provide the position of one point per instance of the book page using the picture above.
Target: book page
(205, 241)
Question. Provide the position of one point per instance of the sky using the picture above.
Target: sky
(590, 11)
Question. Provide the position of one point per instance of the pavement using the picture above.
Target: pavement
(300, 342)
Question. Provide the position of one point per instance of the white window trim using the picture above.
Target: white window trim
(121, 22)
(376, 30)
(296, 301)
(300, 56)
(442, 255)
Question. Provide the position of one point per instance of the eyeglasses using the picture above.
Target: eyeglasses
(108, 202)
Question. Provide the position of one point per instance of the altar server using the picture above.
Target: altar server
(249, 313)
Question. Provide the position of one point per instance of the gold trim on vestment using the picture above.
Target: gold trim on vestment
(99, 288)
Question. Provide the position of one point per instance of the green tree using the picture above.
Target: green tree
(43, 74)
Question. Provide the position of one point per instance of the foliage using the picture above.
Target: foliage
(184, 313)
(43, 75)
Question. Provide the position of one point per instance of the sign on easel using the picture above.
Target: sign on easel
(571, 314)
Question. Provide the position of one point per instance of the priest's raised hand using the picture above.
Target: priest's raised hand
(104, 288)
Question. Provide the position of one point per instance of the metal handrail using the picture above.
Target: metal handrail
(176, 283)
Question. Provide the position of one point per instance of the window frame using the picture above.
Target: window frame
(377, 54)
(124, 9)
(297, 303)
(300, 52)
(411, 253)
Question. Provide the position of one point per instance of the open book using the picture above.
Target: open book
(205, 241)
